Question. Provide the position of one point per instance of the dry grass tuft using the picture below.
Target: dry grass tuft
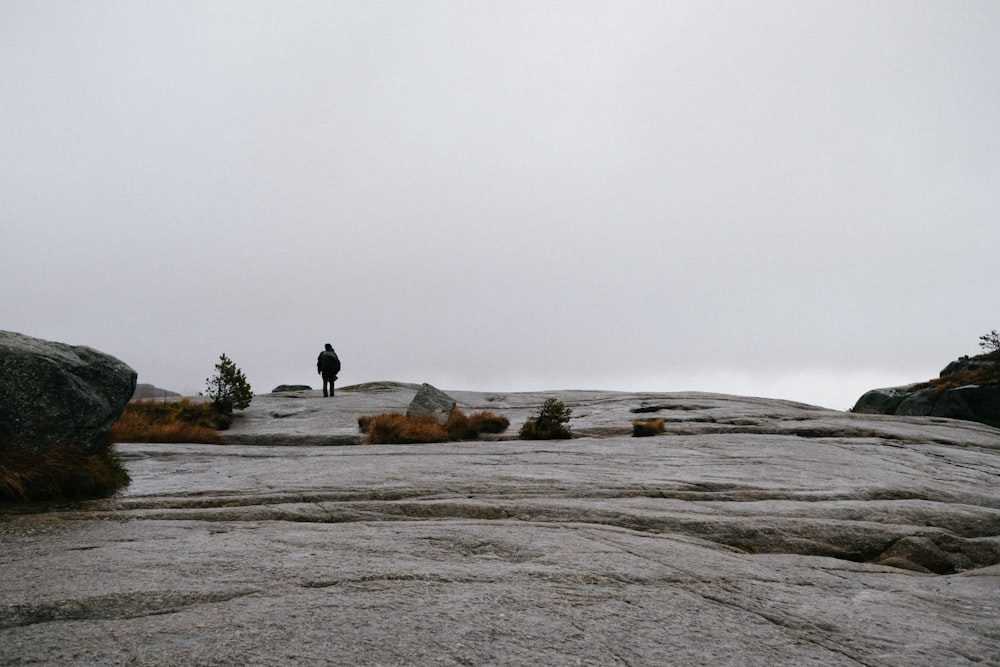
(459, 426)
(487, 422)
(643, 428)
(63, 472)
(175, 421)
(390, 428)
(973, 376)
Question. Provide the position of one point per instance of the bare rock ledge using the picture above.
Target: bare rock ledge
(754, 532)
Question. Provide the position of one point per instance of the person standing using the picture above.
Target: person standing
(328, 365)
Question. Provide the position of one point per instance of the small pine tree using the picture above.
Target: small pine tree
(990, 342)
(228, 388)
(548, 424)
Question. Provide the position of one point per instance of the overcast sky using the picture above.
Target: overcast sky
(785, 199)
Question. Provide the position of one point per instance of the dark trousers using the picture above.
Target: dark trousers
(328, 378)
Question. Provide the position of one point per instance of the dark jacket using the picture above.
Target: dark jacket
(328, 363)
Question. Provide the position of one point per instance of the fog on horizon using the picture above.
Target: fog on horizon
(782, 199)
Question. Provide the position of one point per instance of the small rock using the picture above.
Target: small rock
(291, 387)
(431, 401)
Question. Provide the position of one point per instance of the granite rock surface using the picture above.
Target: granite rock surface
(753, 532)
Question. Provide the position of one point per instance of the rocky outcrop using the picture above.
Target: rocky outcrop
(977, 404)
(966, 363)
(883, 401)
(431, 401)
(967, 388)
(291, 387)
(145, 392)
(55, 394)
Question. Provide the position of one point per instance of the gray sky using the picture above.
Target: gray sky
(784, 199)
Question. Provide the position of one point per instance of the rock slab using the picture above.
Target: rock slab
(53, 394)
(753, 532)
(290, 387)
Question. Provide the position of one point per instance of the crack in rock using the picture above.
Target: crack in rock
(111, 607)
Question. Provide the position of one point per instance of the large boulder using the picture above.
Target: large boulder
(918, 403)
(972, 403)
(431, 401)
(55, 394)
(880, 401)
(967, 388)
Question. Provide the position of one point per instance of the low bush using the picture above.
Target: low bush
(63, 472)
(549, 423)
(174, 421)
(394, 428)
(643, 428)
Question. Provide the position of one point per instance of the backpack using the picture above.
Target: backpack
(331, 362)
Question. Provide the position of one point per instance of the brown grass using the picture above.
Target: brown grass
(395, 428)
(63, 472)
(976, 376)
(487, 422)
(459, 427)
(392, 428)
(175, 421)
(643, 428)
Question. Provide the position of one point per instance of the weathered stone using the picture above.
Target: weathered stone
(978, 400)
(433, 402)
(966, 364)
(56, 394)
(291, 387)
(883, 401)
(979, 404)
(918, 403)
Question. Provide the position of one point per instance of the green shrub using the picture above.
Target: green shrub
(990, 342)
(228, 388)
(643, 428)
(549, 423)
